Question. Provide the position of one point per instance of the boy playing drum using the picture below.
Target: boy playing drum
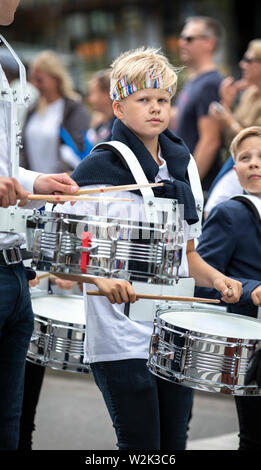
(147, 412)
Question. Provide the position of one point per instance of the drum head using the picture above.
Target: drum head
(65, 308)
(214, 323)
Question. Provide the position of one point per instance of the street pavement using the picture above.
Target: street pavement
(71, 415)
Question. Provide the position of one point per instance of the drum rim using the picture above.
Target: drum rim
(192, 332)
(56, 322)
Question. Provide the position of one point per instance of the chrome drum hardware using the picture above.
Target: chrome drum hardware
(204, 349)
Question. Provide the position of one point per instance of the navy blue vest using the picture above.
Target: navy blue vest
(103, 166)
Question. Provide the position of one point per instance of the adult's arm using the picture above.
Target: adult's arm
(208, 144)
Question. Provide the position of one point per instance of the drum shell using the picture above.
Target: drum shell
(57, 344)
(118, 248)
(201, 361)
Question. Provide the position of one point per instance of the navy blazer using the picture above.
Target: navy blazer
(231, 243)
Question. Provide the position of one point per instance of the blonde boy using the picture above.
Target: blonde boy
(142, 84)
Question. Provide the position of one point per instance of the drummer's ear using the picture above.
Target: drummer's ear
(118, 109)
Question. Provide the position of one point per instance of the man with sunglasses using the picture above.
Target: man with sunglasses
(200, 39)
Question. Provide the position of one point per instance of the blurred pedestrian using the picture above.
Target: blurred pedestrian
(237, 109)
(55, 130)
(240, 107)
(200, 39)
(100, 102)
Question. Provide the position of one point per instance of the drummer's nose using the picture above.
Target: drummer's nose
(155, 106)
(255, 161)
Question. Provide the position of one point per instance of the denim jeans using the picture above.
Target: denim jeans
(33, 380)
(147, 412)
(249, 414)
(16, 326)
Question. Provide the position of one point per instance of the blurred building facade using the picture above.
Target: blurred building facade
(91, 33)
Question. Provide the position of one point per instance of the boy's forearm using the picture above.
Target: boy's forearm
(203, 273)
(207, 276)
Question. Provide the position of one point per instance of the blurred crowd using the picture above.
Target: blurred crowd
(62, 125)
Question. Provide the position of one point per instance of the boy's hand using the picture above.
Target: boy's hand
(62, 283)
(230, 289)
(116, 290)
(256, 295)
(34, 282)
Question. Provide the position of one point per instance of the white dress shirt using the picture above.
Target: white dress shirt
(26, 178)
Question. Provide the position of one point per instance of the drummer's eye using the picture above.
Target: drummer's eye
(243, 158)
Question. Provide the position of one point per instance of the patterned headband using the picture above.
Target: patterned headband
(123, 88)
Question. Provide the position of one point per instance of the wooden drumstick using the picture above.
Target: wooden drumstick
(164, 297)
(42, 276)
(126, 187)
(64, 198)
(86, 278)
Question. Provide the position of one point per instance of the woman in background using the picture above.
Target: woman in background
(55, 130)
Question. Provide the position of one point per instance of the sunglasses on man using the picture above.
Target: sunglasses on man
(249, 60)
(192, 38)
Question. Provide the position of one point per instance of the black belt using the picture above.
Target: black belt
(13, 255)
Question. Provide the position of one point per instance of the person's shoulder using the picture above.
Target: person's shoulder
(210, 78)
(106, 150)
(251, 93)
(233, 209)
(72, 106)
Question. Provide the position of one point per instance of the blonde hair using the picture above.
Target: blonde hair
(254, 131)
(134, 64)
(255, 46)
(50, 63)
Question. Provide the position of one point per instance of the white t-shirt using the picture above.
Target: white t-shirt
(225, 188)
(110, 334)
(42, 135)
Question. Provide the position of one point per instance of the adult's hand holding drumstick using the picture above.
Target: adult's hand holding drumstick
(48, 184)
(10, 191)
(55, 183)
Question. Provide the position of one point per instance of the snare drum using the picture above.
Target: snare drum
(59, 330)
(106, 247)
(204, 349)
